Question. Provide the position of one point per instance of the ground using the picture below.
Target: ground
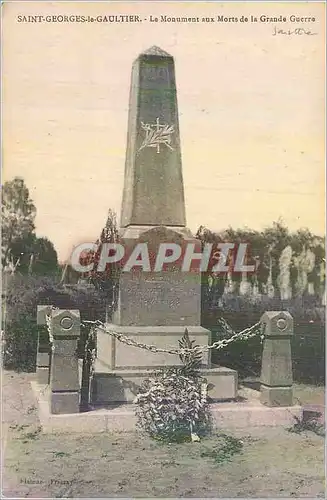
(272, 463)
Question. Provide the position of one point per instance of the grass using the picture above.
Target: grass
(223, 451)
(307, 425)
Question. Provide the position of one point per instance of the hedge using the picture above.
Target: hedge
(308, 341)
(20, 329)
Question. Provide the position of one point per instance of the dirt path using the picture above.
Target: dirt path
(273, 463)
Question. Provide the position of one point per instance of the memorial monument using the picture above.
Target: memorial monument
(154, 308)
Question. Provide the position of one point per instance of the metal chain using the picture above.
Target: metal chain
(245, 334)
(220, 344)
(90, 353)
(48, 323)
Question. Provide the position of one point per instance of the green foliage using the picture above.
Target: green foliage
(224, 450)
(20, 344)
(60, 454)
(308, 341)
(191, 360)
(172, 405)
(20, 329)
(18, 214)
(265, 248)
(22, 251)
(105, 282)
(109, 233)
(311, 425)
(35, 255)
(31, 436)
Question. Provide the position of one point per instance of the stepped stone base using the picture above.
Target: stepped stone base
(243, 414)
(122, 386)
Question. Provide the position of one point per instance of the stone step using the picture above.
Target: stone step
(122, 386)
(225, 415)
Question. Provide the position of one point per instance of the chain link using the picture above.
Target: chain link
(245, 334)
(89, 352)
(220, 344)
(48, 323)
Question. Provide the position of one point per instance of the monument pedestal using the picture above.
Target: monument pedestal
(117, 355)
(120, 369)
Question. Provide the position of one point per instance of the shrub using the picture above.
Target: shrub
(308, 341)
(312, 425)
(242, 311)
(20, 329)
(20, 344)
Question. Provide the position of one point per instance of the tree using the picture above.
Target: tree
(18, 215)
(265, 249)
(35, 255)
(109, 234)
(107, 282)
(110, 231)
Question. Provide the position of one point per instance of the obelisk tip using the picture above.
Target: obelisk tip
(155, 51)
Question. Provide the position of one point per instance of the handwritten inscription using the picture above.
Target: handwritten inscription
(296, 31)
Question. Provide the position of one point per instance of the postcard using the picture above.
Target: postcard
(163, 249)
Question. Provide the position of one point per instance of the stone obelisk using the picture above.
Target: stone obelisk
(153, 191)
(154, 308)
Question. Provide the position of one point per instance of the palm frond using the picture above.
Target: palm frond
(191, 360)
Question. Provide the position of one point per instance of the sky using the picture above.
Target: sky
(251, 112)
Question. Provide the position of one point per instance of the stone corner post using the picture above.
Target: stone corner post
(276, 370)
(43, 347)
(64, 370)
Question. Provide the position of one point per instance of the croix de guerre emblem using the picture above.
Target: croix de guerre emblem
(157, 134)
